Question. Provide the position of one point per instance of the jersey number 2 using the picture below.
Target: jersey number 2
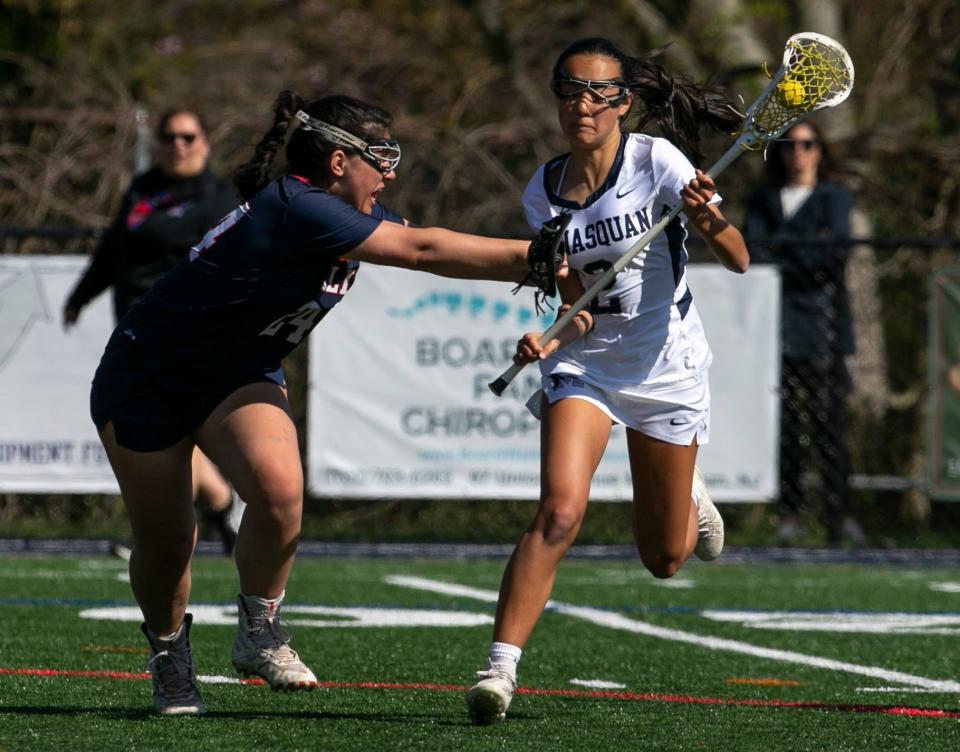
(613, 302)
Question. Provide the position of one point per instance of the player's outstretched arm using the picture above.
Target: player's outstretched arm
(464, 256)
(447, 253)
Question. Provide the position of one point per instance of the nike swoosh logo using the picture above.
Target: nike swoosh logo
(678, 422)
(621, 192)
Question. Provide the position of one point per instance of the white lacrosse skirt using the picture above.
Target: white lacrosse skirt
(668, 398)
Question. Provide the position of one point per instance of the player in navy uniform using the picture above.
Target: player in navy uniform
(638, 355)
(196, 362)
(164, 213)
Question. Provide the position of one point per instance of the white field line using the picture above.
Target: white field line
(51, 574)
(898, 690)
(215, 679)
(598, 684)
(443, 588)
(616, 621)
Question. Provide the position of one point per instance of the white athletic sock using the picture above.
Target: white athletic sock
(262, 607)
(505, 654)
(171, 638)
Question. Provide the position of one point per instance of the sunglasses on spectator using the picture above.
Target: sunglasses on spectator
(804, 143)
(169, 138)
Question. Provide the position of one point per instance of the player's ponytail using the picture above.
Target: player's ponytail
(251, 176)
(678, 106)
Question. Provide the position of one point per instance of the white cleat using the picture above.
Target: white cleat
(172, 674)
(709, 521)
(262, 648)
(489, 698)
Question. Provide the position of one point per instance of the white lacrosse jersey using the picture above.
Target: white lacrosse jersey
(648, 337)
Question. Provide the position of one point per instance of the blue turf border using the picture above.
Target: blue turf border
(913, 557)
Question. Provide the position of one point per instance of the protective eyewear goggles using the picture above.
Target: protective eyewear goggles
(610, 92)
(383, 154)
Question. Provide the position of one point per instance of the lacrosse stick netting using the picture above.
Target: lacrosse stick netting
(816, 73)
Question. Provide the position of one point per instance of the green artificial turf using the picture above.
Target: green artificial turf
(401, 687)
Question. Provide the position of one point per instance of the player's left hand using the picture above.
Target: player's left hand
(697, 193)
(546, 256)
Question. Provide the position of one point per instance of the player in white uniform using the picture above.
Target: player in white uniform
(646, 343)
(638, 356)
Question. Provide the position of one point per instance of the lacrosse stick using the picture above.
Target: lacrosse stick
(816, 73)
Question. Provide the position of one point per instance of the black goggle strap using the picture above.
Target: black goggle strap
(580, 85)
(379, 152)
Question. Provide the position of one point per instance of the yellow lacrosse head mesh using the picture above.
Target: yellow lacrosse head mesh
(815, 75)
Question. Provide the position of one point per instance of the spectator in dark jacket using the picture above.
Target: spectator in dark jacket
(164, 213)
(790, 221)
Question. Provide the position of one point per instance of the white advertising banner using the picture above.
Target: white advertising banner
(398, 403)
(48, 443)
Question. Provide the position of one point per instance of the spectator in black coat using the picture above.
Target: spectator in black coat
(166, 211)
(790, 221)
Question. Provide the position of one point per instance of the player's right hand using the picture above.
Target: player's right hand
(529, 349)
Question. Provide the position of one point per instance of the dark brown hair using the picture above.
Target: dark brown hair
(165, 118)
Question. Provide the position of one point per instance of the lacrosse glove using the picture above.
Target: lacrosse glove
(544, 258)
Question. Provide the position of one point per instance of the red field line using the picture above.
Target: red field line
(800, 704)
(899, 710)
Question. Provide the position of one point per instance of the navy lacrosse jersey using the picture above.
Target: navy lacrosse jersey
(253, 288)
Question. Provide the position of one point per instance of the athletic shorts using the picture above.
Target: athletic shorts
(150, 414)
(675, 413)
